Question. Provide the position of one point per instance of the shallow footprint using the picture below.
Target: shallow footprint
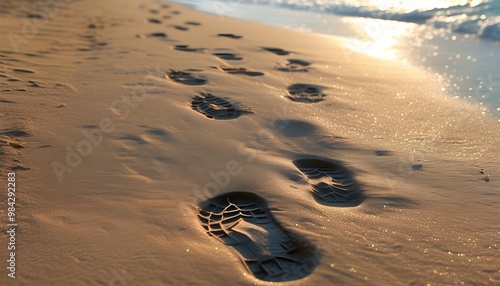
(294, 65)
(306, 93)
(185, 78)
(192, 23)
(215, 107)
(228, 56)
(277, 51)
(242, 71)
(331, 183)
(243, 221)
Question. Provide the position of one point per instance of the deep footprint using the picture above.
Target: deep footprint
(241, 71)
(218, 108)
(185, 78)
(186, 48)
(294, 65)
(228, 56)
(228, 35)
(331, 183)
(306, 93)
(243, 221)
(278, 51)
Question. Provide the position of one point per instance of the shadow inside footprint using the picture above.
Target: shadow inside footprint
(218, 108)
(180, 28)
(154, 21)
(331, 183)
(228, 56)
(242, 71)
(185, 78)
(153, 35)
(228, 35)
(306, 93)
(277, 51)
(186, 48)
(294, 65)
(243, 221)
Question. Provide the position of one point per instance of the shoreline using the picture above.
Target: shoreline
(461, 60)
(120, 102)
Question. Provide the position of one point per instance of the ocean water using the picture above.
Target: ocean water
(458, 40)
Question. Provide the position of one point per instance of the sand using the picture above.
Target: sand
(157, 145)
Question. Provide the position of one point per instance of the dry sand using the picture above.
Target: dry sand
(128, 122)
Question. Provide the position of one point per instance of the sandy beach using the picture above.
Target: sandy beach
(152, 144)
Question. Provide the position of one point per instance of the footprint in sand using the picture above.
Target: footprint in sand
(215, 107)
(231, 36)
(243, 221)
(192, 23)
(186, 48)
(154, 21)
(228, 56)
(241, 71)
(306, 93)
(153, 35)
(294, 65)
(277, 51)
(331, 183)
(180, 28)
(185, 78)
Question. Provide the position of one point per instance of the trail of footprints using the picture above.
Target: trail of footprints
(242, 220)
